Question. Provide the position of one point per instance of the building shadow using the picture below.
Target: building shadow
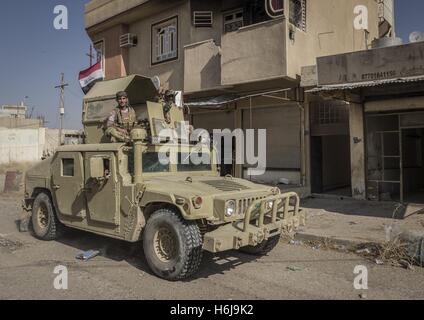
(352, 207)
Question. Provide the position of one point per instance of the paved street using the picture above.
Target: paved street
(289, 272)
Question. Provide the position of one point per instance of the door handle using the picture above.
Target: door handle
(56, 187)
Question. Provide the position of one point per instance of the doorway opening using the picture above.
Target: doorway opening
(330, 148)
(413, 164)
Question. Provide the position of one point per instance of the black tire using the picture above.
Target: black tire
(44, 222)
(172, 246)
(263, 248)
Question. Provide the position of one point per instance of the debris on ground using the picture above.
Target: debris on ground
(363, 296)
(364, 251)
(340, 247)
(296, 242)
(10, 245)
(87, 255)
(293, 268)
(379, 262)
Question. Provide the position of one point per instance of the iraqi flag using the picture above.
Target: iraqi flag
(90, 76)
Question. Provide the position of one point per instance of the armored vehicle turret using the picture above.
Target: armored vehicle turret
(150, 191)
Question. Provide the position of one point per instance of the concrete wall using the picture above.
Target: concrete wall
(329, 31)
(253, 53)
(116, 58)
(171, 73)
(18, 123)
(202, 66)
(21, 145)
(357, 150)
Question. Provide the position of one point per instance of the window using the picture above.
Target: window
(298, 14)
(68, 168)
(151, 163)
(165, 41)
(202, 19)
(233, 21)
(185, 163)
(99, 52)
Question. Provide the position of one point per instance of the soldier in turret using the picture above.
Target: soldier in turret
(121, 120)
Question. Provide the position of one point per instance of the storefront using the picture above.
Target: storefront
(385, 92)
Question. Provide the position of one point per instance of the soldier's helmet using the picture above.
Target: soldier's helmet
(121, 94)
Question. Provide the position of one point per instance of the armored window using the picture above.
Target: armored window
(68, 168)
(233, 21)
(188, 162)
(298, 14)
(165, 41)
(202, 18)
(152, 163)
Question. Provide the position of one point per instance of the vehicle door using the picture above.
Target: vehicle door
(68, 184)
(102, 194)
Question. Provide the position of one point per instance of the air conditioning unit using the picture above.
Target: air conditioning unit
(202, 18)
(128, 40)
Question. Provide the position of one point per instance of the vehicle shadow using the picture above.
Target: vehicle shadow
(132, 253)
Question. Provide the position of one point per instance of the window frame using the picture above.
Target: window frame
(154, 40)
(103, 53)
(62, 173)
(302, 24)
(232, 12)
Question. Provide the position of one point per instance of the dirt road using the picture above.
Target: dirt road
(289, 272)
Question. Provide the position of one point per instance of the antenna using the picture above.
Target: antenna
(416, 36)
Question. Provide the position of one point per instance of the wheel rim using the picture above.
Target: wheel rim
(165, 244)
(42, 216)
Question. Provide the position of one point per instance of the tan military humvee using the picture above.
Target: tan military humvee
(176, 210)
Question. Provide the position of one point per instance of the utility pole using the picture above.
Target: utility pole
(62, 104)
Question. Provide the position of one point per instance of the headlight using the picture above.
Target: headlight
(269, 205)
(230, 208)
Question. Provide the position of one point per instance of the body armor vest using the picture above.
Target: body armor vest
(125, 121)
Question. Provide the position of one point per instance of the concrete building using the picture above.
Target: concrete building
(384, 91)
(17, 111)
(247, 55)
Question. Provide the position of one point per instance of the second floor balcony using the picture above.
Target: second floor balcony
(255, 53)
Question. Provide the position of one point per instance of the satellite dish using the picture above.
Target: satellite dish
(156, 82)
(416, 36)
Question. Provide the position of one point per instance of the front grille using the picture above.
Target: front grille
(244, 204)
(225, 185)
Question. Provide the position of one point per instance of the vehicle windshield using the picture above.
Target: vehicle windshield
(194, 160)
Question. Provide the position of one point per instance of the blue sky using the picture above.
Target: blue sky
(33, 53)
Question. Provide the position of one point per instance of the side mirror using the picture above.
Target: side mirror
(97, 168)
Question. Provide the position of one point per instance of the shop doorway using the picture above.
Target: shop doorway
(395, 157)
(413, 164)
(330, 148)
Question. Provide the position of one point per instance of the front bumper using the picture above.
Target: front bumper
(253, 232)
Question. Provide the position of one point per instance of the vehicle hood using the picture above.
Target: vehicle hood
(205, 186)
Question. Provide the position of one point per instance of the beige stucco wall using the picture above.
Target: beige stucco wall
(171, 73)
(202, 66)
(254, 53)
(329, 31)
(116, 58)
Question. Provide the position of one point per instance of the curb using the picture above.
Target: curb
(348, 244)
